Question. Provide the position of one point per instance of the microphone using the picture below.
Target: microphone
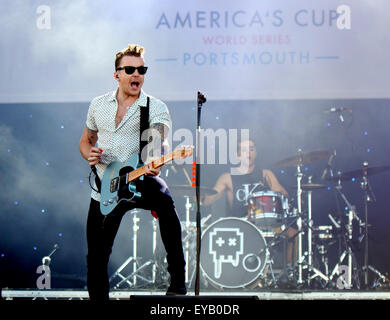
(328, 166)
(201, 98)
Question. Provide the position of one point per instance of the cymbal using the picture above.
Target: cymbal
(358, 173)
(186, 190)
(311, 186)
(303, 158)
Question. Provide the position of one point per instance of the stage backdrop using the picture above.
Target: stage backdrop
(63, 50)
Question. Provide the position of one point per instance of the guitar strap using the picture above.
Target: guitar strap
(144, 125)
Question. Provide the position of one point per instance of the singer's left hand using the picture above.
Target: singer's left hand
(150, 170)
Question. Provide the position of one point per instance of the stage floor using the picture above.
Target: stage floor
(68, 294)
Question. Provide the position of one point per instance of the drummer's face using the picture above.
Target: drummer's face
(247, 151)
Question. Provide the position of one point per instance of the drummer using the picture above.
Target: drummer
(251, 180)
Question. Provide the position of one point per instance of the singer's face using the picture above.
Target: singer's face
(130, 84)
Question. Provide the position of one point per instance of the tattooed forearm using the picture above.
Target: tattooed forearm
(92, 136)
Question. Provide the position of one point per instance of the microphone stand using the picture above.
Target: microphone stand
(200, 99)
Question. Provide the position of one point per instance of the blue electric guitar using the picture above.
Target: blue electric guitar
(118, 181)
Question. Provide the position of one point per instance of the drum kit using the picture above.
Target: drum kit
(253, 251)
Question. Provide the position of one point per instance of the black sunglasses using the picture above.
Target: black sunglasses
(130, 69)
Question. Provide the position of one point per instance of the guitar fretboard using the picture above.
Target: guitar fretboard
(135, 174)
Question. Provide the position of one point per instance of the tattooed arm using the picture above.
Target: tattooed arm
(87, 146)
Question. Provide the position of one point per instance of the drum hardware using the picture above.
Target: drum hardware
(276, 238)
(311, 186)
(309, 253)
(369, 196)
(323, 252)
(381, 280)
(360, 173)
(135, 260)
(299, 160)
(189, 239)
(188, 192)
(268, 211)
(347, 236)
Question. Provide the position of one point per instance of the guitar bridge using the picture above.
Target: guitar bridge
(114, 184)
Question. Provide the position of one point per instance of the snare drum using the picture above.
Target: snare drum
(267, 209)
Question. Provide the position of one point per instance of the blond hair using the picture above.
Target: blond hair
(134, 50)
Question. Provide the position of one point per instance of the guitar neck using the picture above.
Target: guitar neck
(135, 174)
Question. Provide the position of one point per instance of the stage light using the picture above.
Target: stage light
(16, 203)
(368, 150)
(35, 248)
(217, 118)
(47, 164)
(62, 126)
(353, 179)
(60, 234)
(9, 150)
(329, 188)
(365, 133)
(81, 181)
(329, 124)
(281, 171)
(346, 208)
(2, 255)
(43, 210)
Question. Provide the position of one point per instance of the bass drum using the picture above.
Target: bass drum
(234, 253)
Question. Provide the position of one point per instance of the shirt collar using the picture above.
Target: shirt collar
(141, 101)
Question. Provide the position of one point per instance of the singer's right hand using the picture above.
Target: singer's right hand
(94, 155)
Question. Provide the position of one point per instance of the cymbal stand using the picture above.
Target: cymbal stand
(188, 207)
(317, 273)
(348, 250)
(134, 259)
(189, 240)
(310, 226)
(299, 220)
(368, 197)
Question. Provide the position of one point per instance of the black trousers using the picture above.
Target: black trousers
(101, 232)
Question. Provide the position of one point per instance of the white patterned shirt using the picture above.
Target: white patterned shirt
(119, 143)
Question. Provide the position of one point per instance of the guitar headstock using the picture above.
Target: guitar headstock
(183, 152)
